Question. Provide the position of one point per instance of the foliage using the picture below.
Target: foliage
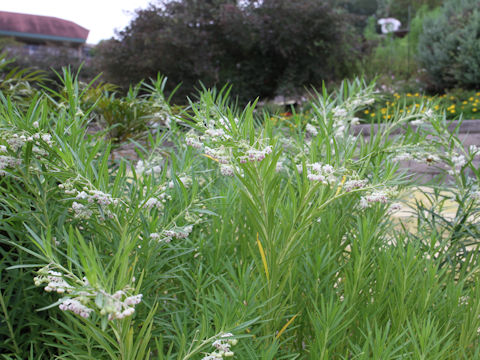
(232, 235)
(449, 46)
(262, 48)
(393, 60)
(404, 10)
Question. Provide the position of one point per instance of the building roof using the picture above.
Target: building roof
(41, 27)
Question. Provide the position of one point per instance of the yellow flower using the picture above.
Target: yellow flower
(372, 114)
(366, 111)
(470, 98)
(464, 102)
(474, 109)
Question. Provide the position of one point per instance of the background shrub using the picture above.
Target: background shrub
(449, 46)
(261, 48)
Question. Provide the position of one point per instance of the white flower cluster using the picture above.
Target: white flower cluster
(54, 279)
(153, 203)
(339, 112)
(340, 115)
(76, 307)
(280, 166)
(193, 140)
(227, 170)
(8, 162)
(143, 167)
(403, 156)
(221, 147)
(362, 100)
(312, 130)
(354, 184)
(81, 211)
(221, 154)
(217, 133)
(116, 306)
(458, 161)
(430, 158)
(185, 180)
(373, 198)
(256, 155)
(16, 141)
(418, 122)
(89, 197)
(168, 235)
(96, 196)
(226, 123)
(343, 114)
(158, 201)
(321, 173)
(422, 156)
(223, 347)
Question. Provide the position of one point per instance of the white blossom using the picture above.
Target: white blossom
(81, 211)
(311, 130)
(375, 197)
(354, 184)
(227, 170)
(76, 307)
(153, 203)
(339, 112)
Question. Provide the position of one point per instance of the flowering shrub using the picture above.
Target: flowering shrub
(240, 237)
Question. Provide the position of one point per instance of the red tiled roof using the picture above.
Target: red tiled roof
(52, 28)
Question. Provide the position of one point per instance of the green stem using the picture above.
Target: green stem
(10, 329)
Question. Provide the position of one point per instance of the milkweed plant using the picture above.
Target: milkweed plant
(234, 236)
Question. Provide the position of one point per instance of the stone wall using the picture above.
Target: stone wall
(469, 134)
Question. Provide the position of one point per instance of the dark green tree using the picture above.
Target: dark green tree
(449, 46)
(262, 48)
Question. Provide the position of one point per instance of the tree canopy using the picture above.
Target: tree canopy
(262, 48)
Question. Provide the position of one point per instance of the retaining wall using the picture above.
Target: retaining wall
(469, 134)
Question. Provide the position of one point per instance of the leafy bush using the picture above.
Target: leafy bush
(392, 60)
(449, 46)
(231, 235)
(262, 48)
